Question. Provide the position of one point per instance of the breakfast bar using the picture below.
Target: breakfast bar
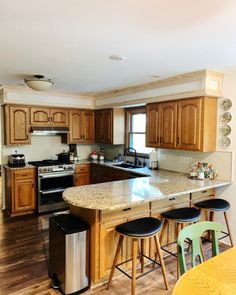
(106, 205)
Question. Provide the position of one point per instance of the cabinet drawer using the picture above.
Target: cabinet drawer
(203, 194)
(24, 174)
(82, 168)
(169, 202)
(126, 212)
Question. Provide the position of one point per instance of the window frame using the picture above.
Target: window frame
(128, 128)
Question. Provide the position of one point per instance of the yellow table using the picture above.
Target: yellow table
(216, 276)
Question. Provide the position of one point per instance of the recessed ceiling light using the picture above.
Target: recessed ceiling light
(116, 57)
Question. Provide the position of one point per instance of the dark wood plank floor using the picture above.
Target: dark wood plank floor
(24, 258)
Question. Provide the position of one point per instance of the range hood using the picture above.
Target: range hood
(42, 130)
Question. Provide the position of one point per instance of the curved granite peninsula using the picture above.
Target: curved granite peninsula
(106, 205)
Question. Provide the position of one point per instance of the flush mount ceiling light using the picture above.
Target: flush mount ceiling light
(116, 57)
(39, 83)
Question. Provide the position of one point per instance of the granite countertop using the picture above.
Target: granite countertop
(133, 192)
(27, 166)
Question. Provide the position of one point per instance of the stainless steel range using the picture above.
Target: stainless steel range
(53, 178)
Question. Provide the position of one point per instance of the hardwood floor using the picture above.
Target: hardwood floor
(24, 257)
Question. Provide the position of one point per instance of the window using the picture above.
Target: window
(136, 130)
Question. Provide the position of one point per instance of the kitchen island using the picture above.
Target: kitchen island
(106, 205)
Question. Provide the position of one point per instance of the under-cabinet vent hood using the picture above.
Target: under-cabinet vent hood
(37, 130)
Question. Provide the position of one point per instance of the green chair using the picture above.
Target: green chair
(193, 233)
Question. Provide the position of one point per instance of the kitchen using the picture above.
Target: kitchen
(175, 88)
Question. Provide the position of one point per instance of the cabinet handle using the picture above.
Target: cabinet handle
(161, 139)
(32, 185)
(177, 140)
(172, 199)
(203, 192)
(126, 209)
(24, 175)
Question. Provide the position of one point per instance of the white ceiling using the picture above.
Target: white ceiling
(70, 40)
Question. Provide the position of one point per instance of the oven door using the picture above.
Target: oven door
(50, 189)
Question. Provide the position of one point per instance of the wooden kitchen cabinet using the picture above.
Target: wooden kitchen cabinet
(81, 126)
(161, 124)
(82, 174)
(186, 124)
(17, 120)
(197, 118)
(152, 125)
(110, 126)
(20, 191)
(40, 116)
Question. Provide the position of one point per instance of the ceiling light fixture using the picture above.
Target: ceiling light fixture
(116, 57)
(39, 83)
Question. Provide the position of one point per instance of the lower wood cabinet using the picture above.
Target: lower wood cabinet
(82, 176)
(20, 189)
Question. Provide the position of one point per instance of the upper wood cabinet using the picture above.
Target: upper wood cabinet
(110, 126)
(161, 124)
(187, 124)
(48, 116)
(81, 126)
(17, 125)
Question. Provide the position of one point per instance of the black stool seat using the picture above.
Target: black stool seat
(142, 227)
(214, 205)
(185, 214)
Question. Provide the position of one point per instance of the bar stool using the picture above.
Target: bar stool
(138, 230)
(217, 205)
(180, 216)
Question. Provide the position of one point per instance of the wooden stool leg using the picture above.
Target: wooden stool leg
(134, 263)
(121, 238)
(178, 231)
(156, 238)
(165, 222)
(142, 258)
(228, 228)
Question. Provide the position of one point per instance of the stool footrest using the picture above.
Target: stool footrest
(143, 274)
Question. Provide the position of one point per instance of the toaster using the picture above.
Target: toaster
(16, 160)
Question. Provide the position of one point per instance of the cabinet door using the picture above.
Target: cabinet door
(108, 244)
(59, 117)
(24, 195)
(82, 179)
(39, 116)
(88, 126)
(99, 126)
(152, 126)
(107, 125)
(168, 124)
(189, 124)
(75, 126)
(17, 119)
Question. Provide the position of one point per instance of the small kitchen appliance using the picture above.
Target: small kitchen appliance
(16, 160)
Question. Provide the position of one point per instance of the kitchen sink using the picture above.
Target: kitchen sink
(128, 165)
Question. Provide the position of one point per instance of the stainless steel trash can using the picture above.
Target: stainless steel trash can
(69, 254)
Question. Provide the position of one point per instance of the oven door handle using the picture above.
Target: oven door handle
(56, 175)
(50, 191)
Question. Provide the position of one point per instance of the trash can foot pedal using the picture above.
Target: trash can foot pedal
(54, 283)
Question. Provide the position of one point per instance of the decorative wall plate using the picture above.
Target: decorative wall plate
(226, 104)
(225, 130)
(226, 117)
(225, 142)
